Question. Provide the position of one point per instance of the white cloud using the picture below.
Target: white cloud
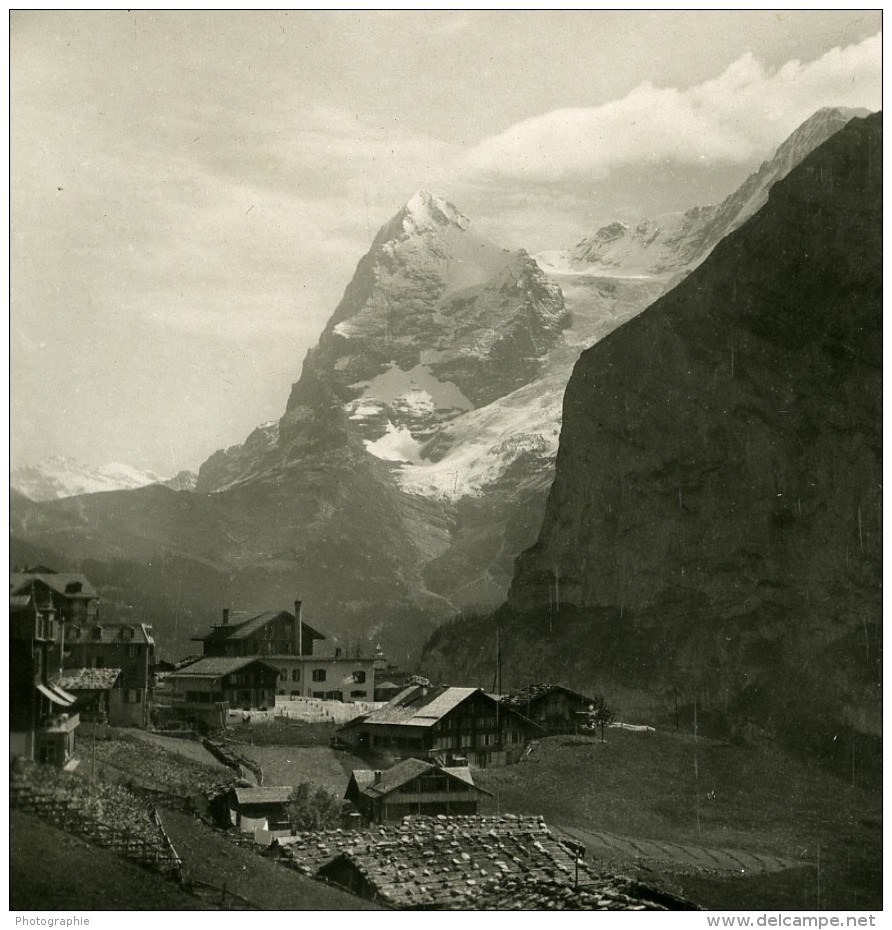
(740, 114)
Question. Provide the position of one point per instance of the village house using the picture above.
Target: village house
(43, 722)
(97, 698)
(286, 641)
(431, 723)
(263, 808)
(127, 647)
(204, 691)
(555, 708)
(412, 787)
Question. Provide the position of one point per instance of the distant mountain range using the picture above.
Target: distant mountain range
(411, 464)
(680, 241)
(61, 476)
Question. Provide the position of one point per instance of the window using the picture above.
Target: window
(357, 694)
(359, 678)
(283, 674)
(295, 674)
(318, 674)
(132, 651)
(319, 694)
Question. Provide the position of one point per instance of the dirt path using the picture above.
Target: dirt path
(601, 845)
(217, 859)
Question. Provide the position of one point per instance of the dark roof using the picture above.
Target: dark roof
(463, 862)
(246, 628)
(402, 773)
(68, 584)
(117, 632)
(88, 679)
(268, 795)
(531, 693)
(214, 667)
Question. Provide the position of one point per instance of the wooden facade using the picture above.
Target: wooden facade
(413, 787)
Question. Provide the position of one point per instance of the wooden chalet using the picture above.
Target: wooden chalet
(413, 787)
(431, 723)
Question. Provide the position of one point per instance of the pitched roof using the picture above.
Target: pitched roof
(404, 772)
(268, 795)
(214, 667)
(422, 706)
(246, 628)
(88, 679)
(534, 692)
(68, 584)
(461, 862)
(417, 706)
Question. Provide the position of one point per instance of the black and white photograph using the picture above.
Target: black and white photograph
(445, 457)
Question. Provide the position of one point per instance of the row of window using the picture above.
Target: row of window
(331, 695)
(485, 739)
(467, 722)
(319, 675)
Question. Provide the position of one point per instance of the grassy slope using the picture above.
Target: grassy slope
(213, 857)
(50, 870)
(642, 785)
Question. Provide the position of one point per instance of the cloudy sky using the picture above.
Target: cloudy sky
(191, 192)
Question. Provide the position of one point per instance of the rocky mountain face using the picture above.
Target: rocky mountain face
(436, 321)
(714, 530)
(61, 476)
(676, 242)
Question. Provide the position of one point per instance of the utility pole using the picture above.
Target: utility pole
(696, 770)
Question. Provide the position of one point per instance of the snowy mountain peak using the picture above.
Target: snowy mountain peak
(425, 212)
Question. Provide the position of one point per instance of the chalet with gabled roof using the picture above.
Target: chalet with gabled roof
(430, 723)
(413, 787)
(205, 690)
(285, 640)
(555, 708)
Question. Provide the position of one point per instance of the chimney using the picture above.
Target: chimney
(225, 616)
(298, 630)
(377, 778)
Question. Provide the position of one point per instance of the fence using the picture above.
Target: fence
(78, 817)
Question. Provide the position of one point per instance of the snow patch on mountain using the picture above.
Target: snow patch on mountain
(396, 445)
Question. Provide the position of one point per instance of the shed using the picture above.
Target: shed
(266, 808)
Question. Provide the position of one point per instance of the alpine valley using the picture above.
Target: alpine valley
(415, 454)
